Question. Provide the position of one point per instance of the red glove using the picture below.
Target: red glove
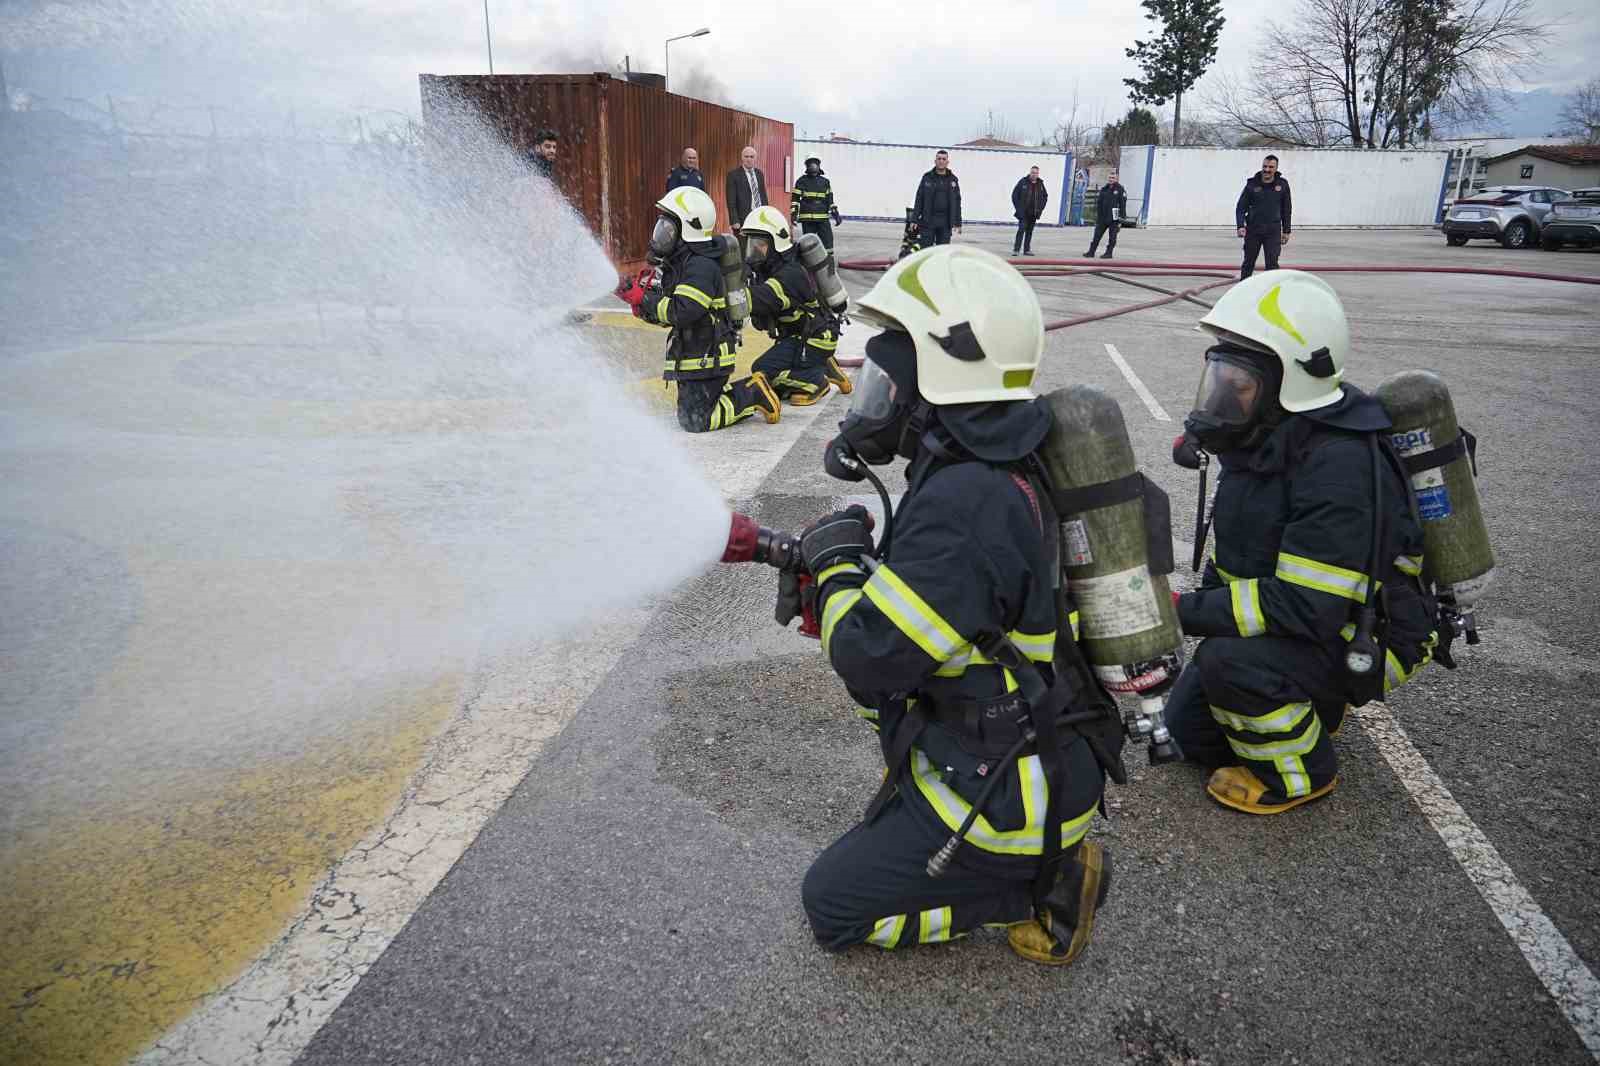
(1175, 596)
(633, 295)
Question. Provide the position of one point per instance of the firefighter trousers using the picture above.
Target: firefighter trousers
(1266, 703)
(715, 403)
(823, 230)
(799, 370)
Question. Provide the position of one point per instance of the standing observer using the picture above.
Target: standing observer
(813, 207)
(938, 206)
(1028, 199)
(1262, 215)
(1110, 205)
(687, 172)
(747, 189)
(546, 146)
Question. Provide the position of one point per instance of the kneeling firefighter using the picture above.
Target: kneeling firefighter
(784, 302)
(953, 634)
(693, 302)
(1313, 599)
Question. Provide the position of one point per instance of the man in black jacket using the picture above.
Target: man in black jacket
(546, 147)
(938, 206)
(746, 188)
(933, 632)
(1110, 204)
(1296, 578)
(1262, 215)
(687, 172)
(812, 207)
(1028, 199)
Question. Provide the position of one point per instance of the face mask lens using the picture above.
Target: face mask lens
(756, 249)
(1229, 394)
(873, 399)
(664, 236)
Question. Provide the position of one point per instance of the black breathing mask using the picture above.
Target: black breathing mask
(875, 429)
(1236, 404)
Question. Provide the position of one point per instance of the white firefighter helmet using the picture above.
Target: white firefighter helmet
(694, 210)
(974, 320)
(769, 220)
(1298, 318)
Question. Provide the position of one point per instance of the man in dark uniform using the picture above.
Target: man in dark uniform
(687, 172)
(812, 206)
(1028, 200)
(938, 205)
(1110, 204)
(1289, 592)
(693, 302)
(783, 301)
(952, 634)
(1262, 215)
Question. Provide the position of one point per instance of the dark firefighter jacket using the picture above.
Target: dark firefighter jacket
(813, 200)
(783, 300)
(1111, 195)
(1028, 198)
(1264, 207)
(1293, 522)
(693, 301)
(678, 177)
(967, 557)
(938, 201)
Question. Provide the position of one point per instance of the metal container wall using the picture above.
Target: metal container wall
(618, 141)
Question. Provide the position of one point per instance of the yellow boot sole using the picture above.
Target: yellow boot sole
(1238, 788)
(800, 399)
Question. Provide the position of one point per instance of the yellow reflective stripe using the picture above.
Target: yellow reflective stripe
(1282, 720)
(1247, 614)
(912, 615)
(1322, 577)
(886, 931)
(772, 283)
(1409, 564)
(1040, 647)
(1072, 620)
(1395, 674)
(835, 609)
(823, 344)
(836, 569)
(934, 926)
(869, 713)
(664, 312)
(685, 289)
(706, 362)
(1300, 745)
(1028, 840)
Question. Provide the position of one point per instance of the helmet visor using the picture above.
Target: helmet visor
(874, 396)
(1231, 391)
(757, 246)
(665, 236)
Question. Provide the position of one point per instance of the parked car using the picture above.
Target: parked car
(1514, 215)
(1574, 221)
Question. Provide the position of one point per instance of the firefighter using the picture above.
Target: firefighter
(692, 302)
(800, 365)
(935, 631)
(1300, 528)
(812, 206)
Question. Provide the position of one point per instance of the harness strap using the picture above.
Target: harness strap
(1465, 444)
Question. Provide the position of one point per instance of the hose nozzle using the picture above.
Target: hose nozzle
(752, 543)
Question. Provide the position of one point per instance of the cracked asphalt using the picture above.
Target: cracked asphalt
(635, 898)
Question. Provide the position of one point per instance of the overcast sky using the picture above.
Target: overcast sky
(879, 69)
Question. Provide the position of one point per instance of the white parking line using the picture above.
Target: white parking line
(1568, 980)
(1145, 394)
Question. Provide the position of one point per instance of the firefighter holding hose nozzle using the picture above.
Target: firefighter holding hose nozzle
(952, 632)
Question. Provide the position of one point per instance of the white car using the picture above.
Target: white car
(1574, 221)
(1514, 215)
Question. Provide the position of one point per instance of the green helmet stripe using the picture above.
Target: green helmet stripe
(1268, 307)
(910, 284)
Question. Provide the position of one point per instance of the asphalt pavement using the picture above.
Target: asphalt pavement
(636, 898)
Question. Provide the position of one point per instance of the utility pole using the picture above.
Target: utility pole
(488, 42)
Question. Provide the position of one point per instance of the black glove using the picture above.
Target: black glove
(833, 213)
(843, 536)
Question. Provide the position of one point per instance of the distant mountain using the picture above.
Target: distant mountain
(1534, 114)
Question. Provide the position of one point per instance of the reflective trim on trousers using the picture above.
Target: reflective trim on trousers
(1029, 840)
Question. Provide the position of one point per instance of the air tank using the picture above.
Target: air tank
(818, 262)
(733, 277)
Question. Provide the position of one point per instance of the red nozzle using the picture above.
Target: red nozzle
(741, 539)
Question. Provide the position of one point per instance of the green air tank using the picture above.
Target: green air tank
(733, 275)
(1456, 541)
(1128, 626)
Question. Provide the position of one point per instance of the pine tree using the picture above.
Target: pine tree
(1174, 60)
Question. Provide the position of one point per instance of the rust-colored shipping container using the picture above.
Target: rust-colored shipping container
(618, 140)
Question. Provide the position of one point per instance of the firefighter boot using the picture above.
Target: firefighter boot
(798, 397)
(1069, 910)
(765, 398)
(835, 374)
(1237, 787)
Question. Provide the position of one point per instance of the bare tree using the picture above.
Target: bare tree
(1580, 116)
(1001, 130)
(1378, 73)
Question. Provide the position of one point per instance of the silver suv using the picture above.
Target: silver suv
(1574, 221)
(1510, 214)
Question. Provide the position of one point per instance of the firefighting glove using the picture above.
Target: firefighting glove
(633, 294)
(843, 536)
(833, 213)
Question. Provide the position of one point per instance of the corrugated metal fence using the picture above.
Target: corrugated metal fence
(1331, 186)
(618, 140)
(879, 181)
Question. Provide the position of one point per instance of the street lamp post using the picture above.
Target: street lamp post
(487, 40)
(666, 75)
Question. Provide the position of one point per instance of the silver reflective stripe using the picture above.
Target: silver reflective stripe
(1323, 577)
(1298, 746)
(1040, 647)
(1247, 617)
(886, 931)
(935, 926)
(1282, 720)
(952, 809)
(914, 618)
(1409, 564)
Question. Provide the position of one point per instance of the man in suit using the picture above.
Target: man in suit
(747, 188)
(688, 173)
